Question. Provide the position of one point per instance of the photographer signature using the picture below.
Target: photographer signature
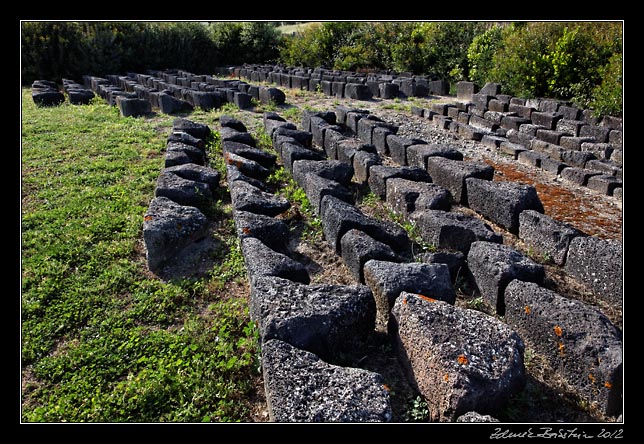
(550, 433)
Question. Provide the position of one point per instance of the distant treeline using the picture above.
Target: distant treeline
(577, 61)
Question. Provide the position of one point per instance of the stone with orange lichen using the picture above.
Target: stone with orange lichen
(301, 387)
(461, 360)
(575, 338)
(387, 280)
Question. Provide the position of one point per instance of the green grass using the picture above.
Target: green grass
(102, 339)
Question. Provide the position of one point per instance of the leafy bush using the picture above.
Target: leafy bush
(56, 50)
(563, 60)
(607, 96)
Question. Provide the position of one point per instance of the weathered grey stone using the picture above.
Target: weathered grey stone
(547, 237)
(389, 90)
(187, 138)
(270, 231)
(232, 122)
(398, 147)
(380, 174)
(292, 152)
(452, 231)
(454, 260)
(362, 163)
(346, 148)
(357, 91)
(262, 260)
(80, 96)
(494, 265)
(451, 175)
(607, 167)
(331, 139)
(272, 125)
(388, 279)
(247, 197)
(512, 149)
(169, 104)
(598, 264)
(183, 191)
(196, 172)
(356, 248)
(233, 174)
(405, 196)
(300, 387)
(366, 126)
(316, 187)
(599, 133)
(576, 158)
(173, 158)
(573, 143)
(322, 319)
(569, 127)
(318, 126)
(198, 130)
(303, 137)
(465, 90)
(379, 138)
(353, 118)
(546, 119)
(576, 339)
(263, 158)
(530, 158)
(417, 155)
(338, 217)
(461, 360)
(553, 166)
(205, 100)
(133, 107)
(596, 151)
(328, 116)
(510, 122)
(227, 133)
(247, 166)
(604, 184)
(271, 95)
(196, 155)
(46, 95)
(329, 169)
(243, 100)
(578, 176)
(475, 417)
(342, 111)
(502, 202)
(168, 228)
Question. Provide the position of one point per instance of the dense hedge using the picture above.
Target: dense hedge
(56, 50)
(577, 61)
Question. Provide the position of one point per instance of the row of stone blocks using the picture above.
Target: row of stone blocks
(176, 217)
(383, 275)
(544, 133)
(377, 253)
(573, 143)
(174, 91)
(515, 207)
(47, 93)
(337, 83)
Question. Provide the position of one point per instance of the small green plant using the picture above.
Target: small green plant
(418, 410)
(476, 303)
(292, 114)
(370, 199)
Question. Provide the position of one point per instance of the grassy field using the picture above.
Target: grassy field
(102, 339)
